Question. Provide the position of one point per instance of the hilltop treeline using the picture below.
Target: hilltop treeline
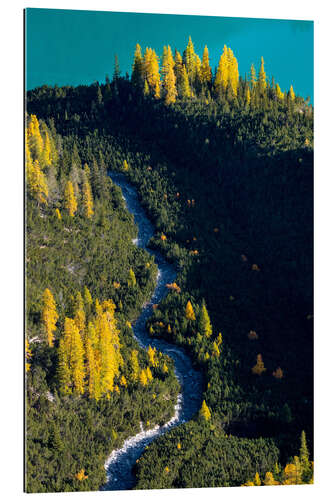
(225, 172)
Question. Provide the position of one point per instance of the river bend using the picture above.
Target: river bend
(121, 461)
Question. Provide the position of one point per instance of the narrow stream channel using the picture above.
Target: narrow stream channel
(119, 464)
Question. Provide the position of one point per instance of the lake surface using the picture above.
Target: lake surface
(68, 47)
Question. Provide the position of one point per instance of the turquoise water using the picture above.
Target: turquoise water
(78, 47)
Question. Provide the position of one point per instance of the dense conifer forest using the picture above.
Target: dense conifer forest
(223, 165)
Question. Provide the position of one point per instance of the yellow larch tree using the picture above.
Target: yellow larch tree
(88, 201)
(197, 74)
(204, 324)
(36, 181)
(80, 320)
(262, 76)
(184, 85)
(92, 372)
(92, 334)
(81, 475)
(49, 316)
(70, 199)
(206, 70)
(215, 350)
(257, 481)
(189, 312)
(152, 356)
(35, 139)
(134, 366)
(109, 346)
(28, 355)
(205, 411)
(233, 73)
(279, 93)
(169, 82)
(259, 367)
(131, 279)
(221, 77)
(149, 374)
(291, 93)
(253, 77)
(87, 297)
(292, 473)
(63, 369)
(269, 480)
(151, 72)
(76, 360)
(190, 60)
(167, 61)
(143, 378)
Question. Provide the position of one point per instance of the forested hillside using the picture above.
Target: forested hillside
(88, 385)
(224, 167)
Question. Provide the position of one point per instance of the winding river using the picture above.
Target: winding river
(119, 464)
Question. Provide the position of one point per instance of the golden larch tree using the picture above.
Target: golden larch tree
(28, 355)
(205, 411)
(49, 316)
(279, 93)
(189, 312)
(190, 60)
(76, 360)
(269, 480)
(143, 378)
(184, 85)
(253, 77)
(131, 279)
(36, 180)
(204, 324)
(35, 139)
(88, 201)
(152, 356)
(70, 199)
(257, 481)
(92, 371)
(206, 70)
(259, 367)
(262, 76)
(169, 84)
(111, 358)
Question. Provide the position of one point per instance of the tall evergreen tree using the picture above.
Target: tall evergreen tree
(190, 60)
(204, 324)
(70, 199)
(206, 70)
(49, 316)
